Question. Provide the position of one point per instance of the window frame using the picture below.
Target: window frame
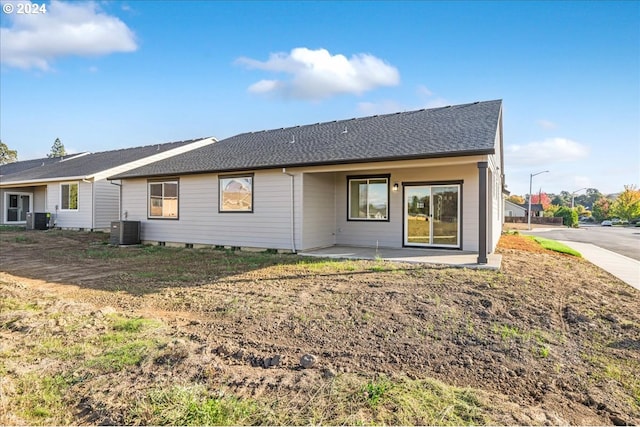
(351, 178)
(177, 198)
(69, 184)
(234, 176)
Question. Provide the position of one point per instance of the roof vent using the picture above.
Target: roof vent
(293, 139)
(345, 130)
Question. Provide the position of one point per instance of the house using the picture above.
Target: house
(74, 189)
(14, 167)
(431, 178)
(536, 209)
(513, 209)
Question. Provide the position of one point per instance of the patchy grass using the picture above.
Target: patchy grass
(180, 336)
(555, 246)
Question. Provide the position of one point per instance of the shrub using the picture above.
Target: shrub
(569, 216)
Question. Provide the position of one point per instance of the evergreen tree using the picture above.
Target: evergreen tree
(57, 149)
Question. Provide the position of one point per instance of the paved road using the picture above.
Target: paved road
(621, 240)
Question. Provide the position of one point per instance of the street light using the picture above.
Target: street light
(530, 182)
(573, 195)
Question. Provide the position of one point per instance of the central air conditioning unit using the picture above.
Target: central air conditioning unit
(38, 220)
(125, 233)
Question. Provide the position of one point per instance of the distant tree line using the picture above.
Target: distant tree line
(625, 205)
(8, 155)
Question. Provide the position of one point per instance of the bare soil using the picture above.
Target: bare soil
(550, 339)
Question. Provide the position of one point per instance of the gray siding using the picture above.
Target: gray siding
(40, 199)
(318, 210)
(107, 204)
(81, 218)
(390, 234)
(199, 222)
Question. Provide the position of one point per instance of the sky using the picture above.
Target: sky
(105, 75)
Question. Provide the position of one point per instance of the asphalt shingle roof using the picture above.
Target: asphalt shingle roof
(465, 129)
(23, 165)
(90, 164)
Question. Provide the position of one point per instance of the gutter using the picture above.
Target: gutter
(119, 198)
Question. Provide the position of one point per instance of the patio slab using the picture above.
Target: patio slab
(452, 258)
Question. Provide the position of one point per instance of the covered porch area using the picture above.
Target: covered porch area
(446, 257)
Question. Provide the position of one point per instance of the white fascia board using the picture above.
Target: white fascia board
(154, 158)
(5, 184)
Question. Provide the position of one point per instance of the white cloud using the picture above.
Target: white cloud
(66, 29)
(546, 124)
(424, 91)
(551, 150)
(316, 74)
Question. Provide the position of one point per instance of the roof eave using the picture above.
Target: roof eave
(464, 153)
(45, 180)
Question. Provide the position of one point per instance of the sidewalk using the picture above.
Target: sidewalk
(624, 268)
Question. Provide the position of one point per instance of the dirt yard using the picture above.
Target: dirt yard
(94, 334)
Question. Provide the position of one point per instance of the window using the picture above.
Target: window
(369, 198)
(163, 199)
(69, 196)
(236, 193)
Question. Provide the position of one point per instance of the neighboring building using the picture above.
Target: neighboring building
(513, 209)
(536, 209)
(23, 165)
(429, 178)
(74, 189)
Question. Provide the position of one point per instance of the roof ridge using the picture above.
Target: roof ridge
(150, 145)
(366, 117)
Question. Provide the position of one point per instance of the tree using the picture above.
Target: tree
(600, 209)
(7, 155)
(627, 205)
(589, 198)
(569, 216)
(57, 149)
(541, 198)
(518, 200)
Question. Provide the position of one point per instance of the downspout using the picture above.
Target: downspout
(293, 236)
(119, 199)
(93, 202)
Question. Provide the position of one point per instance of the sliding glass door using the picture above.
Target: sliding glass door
(432, 215)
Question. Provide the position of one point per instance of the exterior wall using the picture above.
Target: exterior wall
(81, 218)
(390, 234)
(199, 222)
(318, 210)
(320, 207)
(515, 210)
(38, 200)
(106, 204)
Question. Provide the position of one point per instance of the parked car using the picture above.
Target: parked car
(615, 221)
(606, 223)
(635, 221)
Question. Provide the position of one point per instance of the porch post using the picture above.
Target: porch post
(482, 212)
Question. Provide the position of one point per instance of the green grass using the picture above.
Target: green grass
(346, 400)
(40, 399)
(190, 406)
(555, 246)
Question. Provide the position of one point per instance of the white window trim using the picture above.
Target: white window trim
(77, 201)
(6, 205)
(163, 216)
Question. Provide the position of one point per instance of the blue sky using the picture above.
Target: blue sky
(112, 74)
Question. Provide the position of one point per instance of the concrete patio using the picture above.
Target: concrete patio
(448, 257)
